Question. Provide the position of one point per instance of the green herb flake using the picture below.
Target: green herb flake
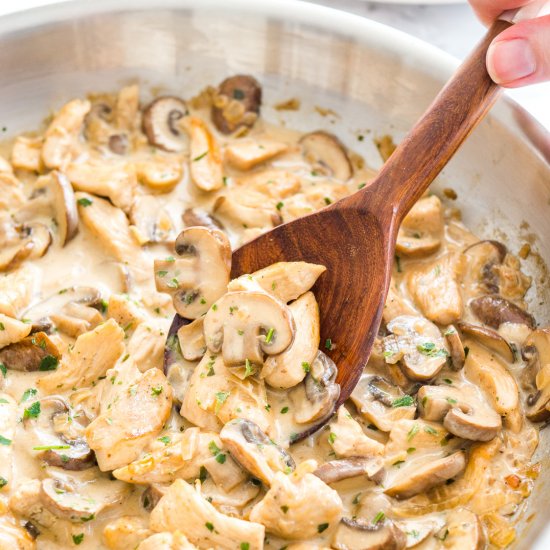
(356, 498)
(165, 439)
(279, 205)
(30, 392)
(3, 369)
(2, 327)
(451, 401)
(200, 156)
(213, 448)
(405, 401)
(327, 200)
(84, 202)
(221, 398)
(209, 526)
(2, 400)
(51, 447)
(284, 508)
(162, 273)
(328, 344)
(33, 411)
(156, 390)
(48, 363)
(379, 517)
(322, 527)
(88, 518)
(202, 474)
(430, 430)
(4, 440)
(220, 458)
(3, 482)
(245, 546)
(306, 366)
(284, 410)
(411, 450)
(331, 437)
(269, 336)
(77, 539)
(361, 185)
(398, 264)
(413, 431)
(447, 381)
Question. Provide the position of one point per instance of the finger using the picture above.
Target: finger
(489, 10)
(521, 54)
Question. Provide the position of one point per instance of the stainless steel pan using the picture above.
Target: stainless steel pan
(377, 80)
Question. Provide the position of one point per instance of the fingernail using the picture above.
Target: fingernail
(510, 60)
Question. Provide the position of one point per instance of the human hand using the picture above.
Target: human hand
(521, 54)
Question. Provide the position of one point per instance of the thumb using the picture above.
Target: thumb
(521, 54)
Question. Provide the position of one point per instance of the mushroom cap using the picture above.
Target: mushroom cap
(254, 451)
(360, 534)
(536, 375)
(191, 339)
(482, 257)
(160, 123)
(194, 216)
(327, 153)
(237, 103)
(494, 310)
(64, 204)
(489, 338)
(344, 468)
(236, 322)
(458, 354)
(32, 353)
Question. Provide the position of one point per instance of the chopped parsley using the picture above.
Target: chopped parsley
(88, 518)
(156, 390)
(245, 546)
(306, 366)
(429, 349)
(30, 392)
(430, 430)
(405, 401)
(51, 447)
(3, 482)
(284, 410)
(4, 440)
(279, 205)
(379, 517)
(33, 411)
(269, 336)
(327, 200)
(328, 344)
(356, 498)
(3, 369)
(284, 508)
(413, 431)
(48, 363)
(221, 398)
(248, 368)
(361, 185)
(162, 273)
(84, 202)
(200, 156)
(165, 439)
(77, 539)
(322, 527)
(331, 437)
(209, 526)
(451, 401)
(2, 327)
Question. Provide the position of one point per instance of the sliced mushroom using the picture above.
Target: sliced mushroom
(59, 435)
(161, 123)
(61, 195)
(286, 369)
(32, 353)
(205, 156)
(31, 240)
(191, 339)
(315, 398)
(458, 354)
(12, 330)
(536, 375)
(360, 534)
(463, 530)
(427, 476)
(255, 451)
(230, 500)
(417, 344)
(78, 502)
(418, 530)
(195, 216)
(237, 103)
(482, 257)
(326, 153)
(381, 402)
(344, 468)
(245, 325)
(489, 338)
(150, 221)
(494, 310)
(421, 229)
(463, 413)
(245, 155)
(489, 373)
(200, 276)
(27, 153)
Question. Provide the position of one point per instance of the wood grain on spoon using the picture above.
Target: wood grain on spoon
(355, 237)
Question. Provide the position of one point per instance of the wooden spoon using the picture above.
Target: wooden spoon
(355, 237)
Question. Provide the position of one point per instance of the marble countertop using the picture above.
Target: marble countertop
(449, 26)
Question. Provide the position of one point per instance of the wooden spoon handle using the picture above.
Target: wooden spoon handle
(454, 113)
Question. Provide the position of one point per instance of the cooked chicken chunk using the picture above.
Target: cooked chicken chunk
(8, 423)
(12, 330)
(17, 288)
(125, 532)
(167, 541)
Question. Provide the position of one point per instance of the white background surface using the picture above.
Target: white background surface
(451, 27)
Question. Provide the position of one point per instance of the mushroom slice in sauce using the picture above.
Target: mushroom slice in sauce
(285, 280)
(245, 155)
(417, 344)
(254, 451)
(421, 230)
(196, 216)
(464, 530)
(536, 375)
(205, 156)
(326, 153)
(426, 476)
(32, 353)
(286, 369)
(161, 123)
(237, 103)
(382, 403)
(418, 530)
(30, 240)
(494, 310)
(200, 276)
(489, 338)
(315, 398)
(361, 534)
(482, 257)
(245, 325)
(344, 468)
(59, 435)
(463, 413)
(191, 339)
(457, 351)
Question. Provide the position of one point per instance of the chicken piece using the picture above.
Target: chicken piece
(11, 192)
(396, 305)
(14, 537)
(17, 288)
(12, 330)
(167, 541)
(205, 157)
(217, 395)
(249, 211)
(348, 439)
(75, 319)
(5, 166)
(435, 289)
(183, 508)
(109, 224)
(133, 410)
(160, 172)
(26, 501)
(60, 140)
(125, 311)
(277, 184)
(297, 505)
(93, 354)
(27, 153)
(127, 108)
(151, 222)
(246, 154)
(8, 423)
(125, 532)
(146, 346)
(114, 180)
